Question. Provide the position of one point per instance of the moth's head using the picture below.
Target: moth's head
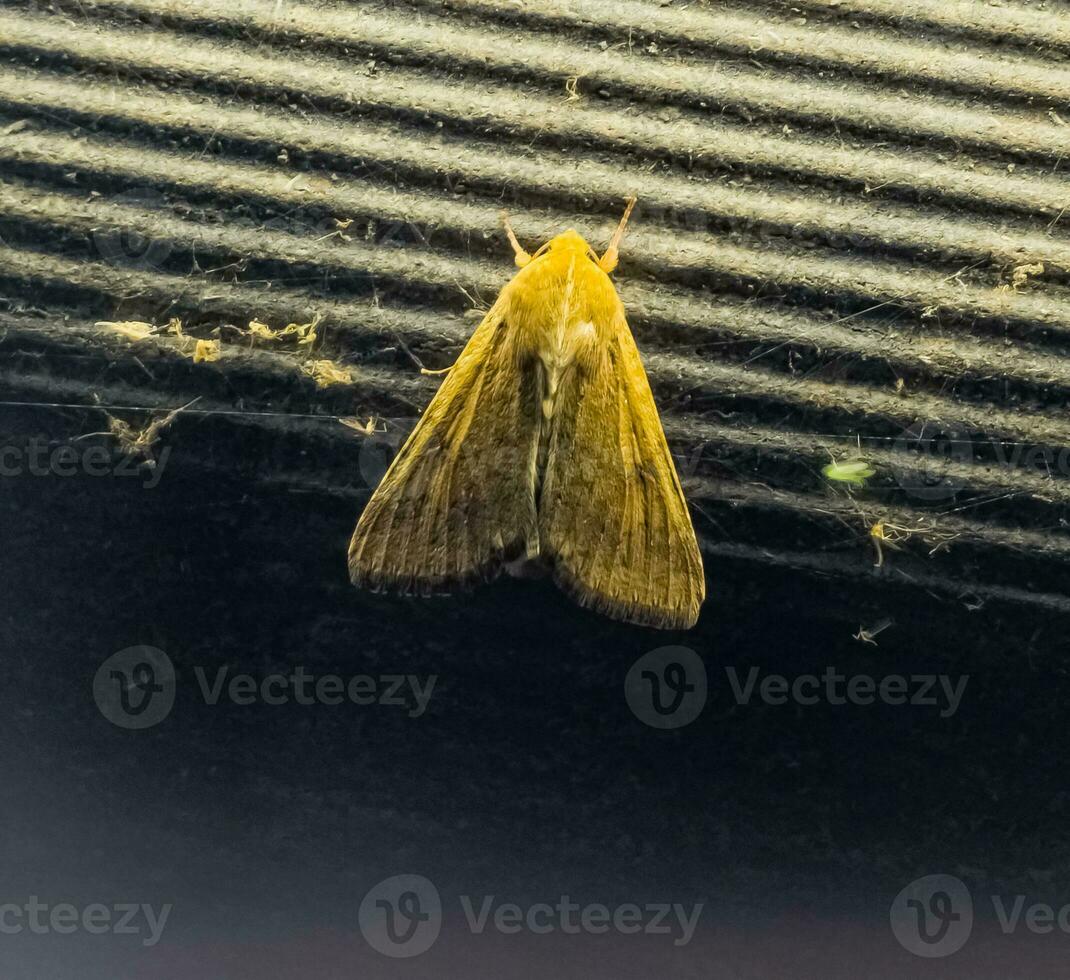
(571, 242)
(568, 241)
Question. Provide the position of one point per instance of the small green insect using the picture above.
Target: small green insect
(854, 472)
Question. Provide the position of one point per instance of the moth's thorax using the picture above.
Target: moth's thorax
(558, 308)
(560, 302)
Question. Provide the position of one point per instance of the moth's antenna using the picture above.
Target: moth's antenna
(521, 257)
(608, 262)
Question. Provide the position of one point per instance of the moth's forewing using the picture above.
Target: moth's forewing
(458, 500)
(612, 514)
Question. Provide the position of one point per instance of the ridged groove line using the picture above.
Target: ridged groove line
(277, 186)
(849, 514)
(662, 197)
(993, 71)
(935, 583)
(669, 251)
(844, 104)
(919, 173)
(1000, 22)
(696, 434)
(658, 250)
(682, 372)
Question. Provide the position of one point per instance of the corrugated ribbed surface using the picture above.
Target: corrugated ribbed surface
(851, 239)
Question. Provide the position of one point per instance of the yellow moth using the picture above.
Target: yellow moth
(543, 443)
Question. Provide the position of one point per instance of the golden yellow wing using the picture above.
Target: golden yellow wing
(612, 514)
(459, 498)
